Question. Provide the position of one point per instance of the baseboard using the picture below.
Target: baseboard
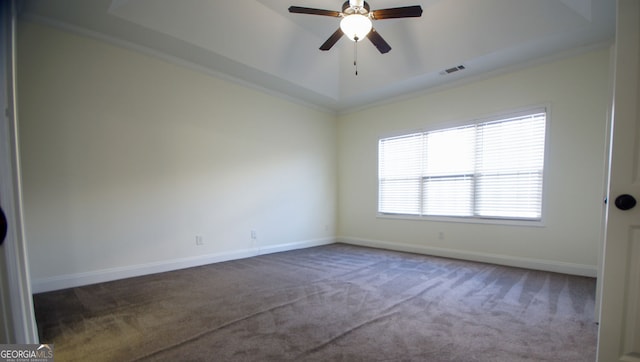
(297, 245)
(537, 264)
(59, 282)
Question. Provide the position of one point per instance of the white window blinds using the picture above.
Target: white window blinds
(491, 169)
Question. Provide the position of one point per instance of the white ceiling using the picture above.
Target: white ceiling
(258, 42)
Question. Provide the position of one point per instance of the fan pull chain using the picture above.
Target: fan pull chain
(355, 54)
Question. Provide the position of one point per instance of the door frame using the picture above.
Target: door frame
(16, 302)
(617, 272)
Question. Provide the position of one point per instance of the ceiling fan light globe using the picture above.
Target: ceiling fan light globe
(355, 25)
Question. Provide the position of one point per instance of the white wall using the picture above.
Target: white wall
(576, 90)
(127, 158)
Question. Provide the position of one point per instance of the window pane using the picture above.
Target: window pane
(401, 196)
(511, 144)
(400, 162)
(450, 196)
(450, 152)
(512, 195)
(400, 157)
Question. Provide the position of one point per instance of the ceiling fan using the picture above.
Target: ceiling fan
(356, 21)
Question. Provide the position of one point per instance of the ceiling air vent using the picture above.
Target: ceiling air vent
(452, 70)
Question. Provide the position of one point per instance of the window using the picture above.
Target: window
(488, 169)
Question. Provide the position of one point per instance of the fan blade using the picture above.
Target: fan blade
(394, 13)
(333, 39)
(311, 11)
(377, 40)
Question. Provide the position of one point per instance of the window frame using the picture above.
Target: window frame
(474, 219)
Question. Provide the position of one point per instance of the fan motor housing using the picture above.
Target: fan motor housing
(348, 10)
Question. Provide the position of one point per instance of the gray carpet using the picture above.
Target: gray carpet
(329, 303)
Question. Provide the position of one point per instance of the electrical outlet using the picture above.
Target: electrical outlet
(440, 235)
(199, 240)
(254, 235)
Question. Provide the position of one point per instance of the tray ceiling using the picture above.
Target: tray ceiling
(259, 43)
